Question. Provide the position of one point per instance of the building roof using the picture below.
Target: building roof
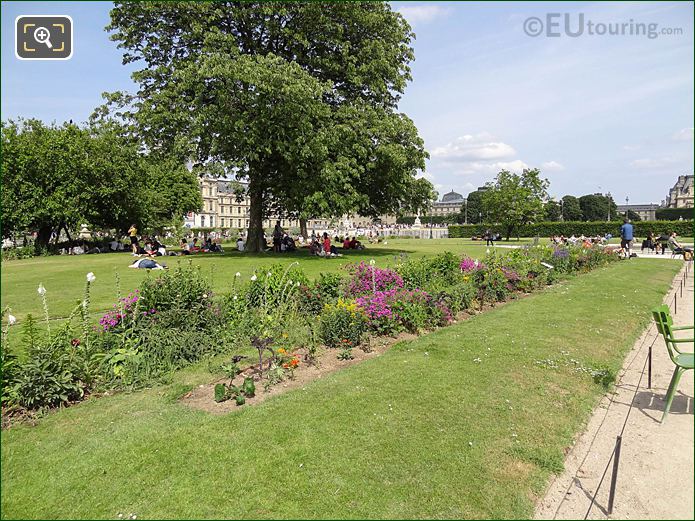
(452, 197)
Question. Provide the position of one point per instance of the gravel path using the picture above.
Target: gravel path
(656, 470)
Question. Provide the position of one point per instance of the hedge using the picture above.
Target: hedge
(568, 228)
(672, 214)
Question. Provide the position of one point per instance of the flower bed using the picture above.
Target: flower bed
(277, 317)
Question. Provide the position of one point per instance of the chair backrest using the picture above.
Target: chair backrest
(664, 322)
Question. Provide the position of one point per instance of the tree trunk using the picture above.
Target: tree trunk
(302, 228)
(67, 232)
(254, 240)
(42, 238)
(510, 229)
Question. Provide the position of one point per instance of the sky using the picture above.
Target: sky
(594, 112)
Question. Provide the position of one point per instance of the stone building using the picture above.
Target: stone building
(681, 195)
(451, 203)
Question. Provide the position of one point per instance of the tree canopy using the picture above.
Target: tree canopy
(571, 211)
(513, 199)
(62, 176)
(299, 99)
(597, 207)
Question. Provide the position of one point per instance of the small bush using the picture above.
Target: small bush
(342, 325)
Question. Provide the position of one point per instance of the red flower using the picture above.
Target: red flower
(75, 342)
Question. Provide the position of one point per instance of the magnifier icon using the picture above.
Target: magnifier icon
(42, 35)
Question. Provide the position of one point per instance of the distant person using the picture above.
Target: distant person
(626, 237)
(240, 244)
(488, 238)
(147, 264)
(133, 233)
(185, 247)
(278, 232)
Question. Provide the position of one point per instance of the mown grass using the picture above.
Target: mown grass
(424, 431)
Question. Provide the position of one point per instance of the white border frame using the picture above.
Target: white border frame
(72, 35)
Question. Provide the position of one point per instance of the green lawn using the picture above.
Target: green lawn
(64, 276)
(424, 431)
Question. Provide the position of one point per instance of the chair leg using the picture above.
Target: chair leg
(672, 391)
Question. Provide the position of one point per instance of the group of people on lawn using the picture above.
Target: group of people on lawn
(320, 245)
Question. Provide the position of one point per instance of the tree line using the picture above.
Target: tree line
(300, 100)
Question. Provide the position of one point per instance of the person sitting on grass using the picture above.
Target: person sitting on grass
(355, 244)
(185, 247)
(148, 264)
(240, 244)
(346, 243)
(194, 245)
(288, 243)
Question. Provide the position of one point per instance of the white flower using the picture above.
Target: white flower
(237, 274)
(290, 282)
(487, 250)
(253, 277)
(11, 320)
(91, 277)
(41, 290)
(297, 283)
(205, 295)
(386, 242)
(84, 304)
(372, 263)
(234, 297)
(270, 274)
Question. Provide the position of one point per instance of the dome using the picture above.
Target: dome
(452, 197)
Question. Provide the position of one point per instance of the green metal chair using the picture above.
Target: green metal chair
(683, 361)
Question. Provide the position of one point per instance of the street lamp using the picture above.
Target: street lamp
(466, 214)
(562, 209)
(627, 202)
(608, 195)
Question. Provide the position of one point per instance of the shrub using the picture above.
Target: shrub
(184, 287)
(275, 286)
(25, 252)
(342, 324)
(394, 310)
(567, 228)
(367, 278)
(429, 272)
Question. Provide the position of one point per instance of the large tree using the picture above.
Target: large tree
(513, 199)
(58, 177)
(598, 207)
(552, 211)
(298, 98)
(571, 211)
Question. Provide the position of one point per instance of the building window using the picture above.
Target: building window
(247, 222)
(202, 221)
(212, 221)
(238, 223)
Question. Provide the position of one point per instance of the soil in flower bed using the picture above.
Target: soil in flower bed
(202, 397)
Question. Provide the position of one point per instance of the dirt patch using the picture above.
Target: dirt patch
(326, 363)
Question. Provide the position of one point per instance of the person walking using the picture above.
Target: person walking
(133, 233)
(488, 238)
(626, 237)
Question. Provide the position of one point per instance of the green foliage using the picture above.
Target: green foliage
(571, 210)
(674, 214)
(275, 286)
(25, 252)
(341, 325)
(552, 211)
(308, 111)
(224, 392)
(568, 228)
(345, 354)
(183, 287)
(514, 200)
(430, 272)
(62, 176)
(596, 207)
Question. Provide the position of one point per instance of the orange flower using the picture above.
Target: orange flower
(286, 366)
(294, 362)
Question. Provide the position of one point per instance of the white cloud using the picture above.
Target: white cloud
(685, 134)
(631, 148)
(422, 13)
(491, 168)
(552, 166)
(652, 163)
(474, 147)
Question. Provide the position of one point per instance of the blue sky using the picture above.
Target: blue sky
(593, 112)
